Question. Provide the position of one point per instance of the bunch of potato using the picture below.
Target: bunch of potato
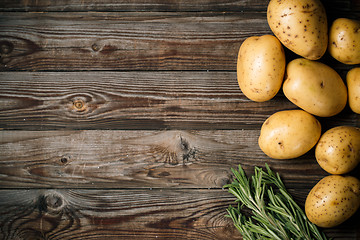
(317, 89)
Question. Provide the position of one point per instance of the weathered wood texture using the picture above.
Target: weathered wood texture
(135, 101)
(122, 119)
(171, 183)
(68, 41)
(139, 159)
(115, 214)
(158, 5)
(128, 100)
(125, 214)
(131, 5)
(128, 41)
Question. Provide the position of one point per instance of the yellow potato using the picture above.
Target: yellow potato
(289, 134)
(301, 25)
(353, 85)
(344, 40)
(338, 150)
(333, 200)
(315, 87)
(260, 67)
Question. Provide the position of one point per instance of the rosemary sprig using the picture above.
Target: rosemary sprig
(275, 214)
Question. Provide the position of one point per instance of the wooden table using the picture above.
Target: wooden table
(122, 119)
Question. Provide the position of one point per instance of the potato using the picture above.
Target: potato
(353, 85)
(260, 67)
(315, 87)
(338, 150)
(333, 200)
(289, 134)
(344, 40)
(301, 25)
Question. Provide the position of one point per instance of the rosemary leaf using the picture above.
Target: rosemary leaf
(275, 214)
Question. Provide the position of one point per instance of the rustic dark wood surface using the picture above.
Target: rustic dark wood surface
(122, 119)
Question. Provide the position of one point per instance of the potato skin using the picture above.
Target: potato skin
(344, 40)
(333, 200)
(289, 134)
(301, 25)
(353, 85)
(315, 87)
(260, 67)
(338, 150)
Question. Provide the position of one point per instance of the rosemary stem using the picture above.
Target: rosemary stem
(275, 213)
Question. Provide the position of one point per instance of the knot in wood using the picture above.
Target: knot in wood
(64, 160)
(51, 202)
(79, 105)
(54, 201)
(188, 152)
(6, 47)
(95, 47)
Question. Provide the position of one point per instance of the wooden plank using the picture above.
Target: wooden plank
(132, 5)
(128, 41)
(156, 5)
(135, 100)
(139, 159)
(115, 214)
(70, 41)
(123, 214)
(128, 100)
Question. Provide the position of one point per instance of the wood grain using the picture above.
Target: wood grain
(158, 5)
(122, 119)
(135, 101)
(69, 41)
(125, 41)
(129, 100)
(115, 214)
(123, 214)
(132, 5)
(84, 41)
(139, 159)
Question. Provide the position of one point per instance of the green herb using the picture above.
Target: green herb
(275, 214)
